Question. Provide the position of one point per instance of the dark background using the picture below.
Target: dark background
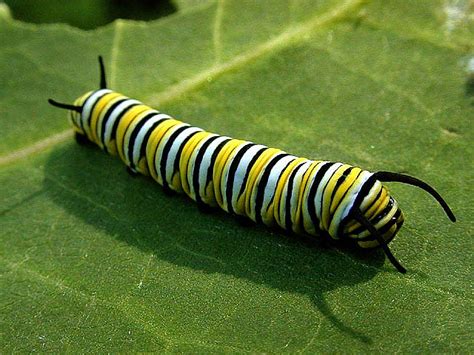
(88, 14)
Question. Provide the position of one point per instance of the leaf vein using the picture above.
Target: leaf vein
(36, 147)
(335, 57)
(115, 52)
(283, 40)
(217, 31)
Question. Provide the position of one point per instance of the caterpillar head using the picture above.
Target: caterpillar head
(375, 217)
(76, 108)
(383, 212)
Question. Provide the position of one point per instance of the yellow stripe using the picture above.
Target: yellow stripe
(97, 109)
(76, 116)
(381, 203)
(222, 158)
(124, 122)
(378, 225)
(303, 218)
(371, 212)
(128, 132)
(326, 203)
(105, 103)
(185, 158)
(154, 141)
(254, 173)
(336, 212)
(344, 187)
(282, 182)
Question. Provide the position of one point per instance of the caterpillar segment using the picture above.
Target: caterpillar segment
(266, 185)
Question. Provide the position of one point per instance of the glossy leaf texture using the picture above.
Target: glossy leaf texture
(93, 259)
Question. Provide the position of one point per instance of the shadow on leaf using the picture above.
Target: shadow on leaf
(96, 188)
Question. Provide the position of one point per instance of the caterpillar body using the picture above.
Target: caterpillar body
(265, 184)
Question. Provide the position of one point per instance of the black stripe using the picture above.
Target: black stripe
(384, 229)
(262, 184)
(375, 200)
(180, 150)
(331, 192)
(153, 167)
(231, 177)
(249, 168)
(134, 136)
(117, 121)
(378, 217)
(289, 194)
(92, 108)
(278, 180)
(106, 117)
(147, 136)
(197, 166)
(384, 212)
(361, 228)
(166, 150)
(363, 192)
(210, 170)
(311, 203)
(340, 180)
(343, 195)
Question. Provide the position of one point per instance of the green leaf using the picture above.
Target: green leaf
(95, 260)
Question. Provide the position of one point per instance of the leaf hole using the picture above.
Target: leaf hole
(88, 14)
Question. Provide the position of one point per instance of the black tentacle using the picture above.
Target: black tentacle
(65, 106)
(366, 223)
(103, 81)
(387, 176)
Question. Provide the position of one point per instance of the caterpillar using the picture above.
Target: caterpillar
(267, 185)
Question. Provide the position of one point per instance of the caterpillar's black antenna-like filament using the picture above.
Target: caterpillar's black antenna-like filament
(103, 81)
(387, 176)
(65, 106)
(366, 223)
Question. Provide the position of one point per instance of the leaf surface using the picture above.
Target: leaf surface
(95, 260)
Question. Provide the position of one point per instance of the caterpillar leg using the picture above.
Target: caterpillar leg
(204, 208)
(244, 221)
(167, 190)
(131, 172)
(81, 139)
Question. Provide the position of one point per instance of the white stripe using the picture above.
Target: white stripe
(225, 173)
(365, 175)
(143, 131)
(321, 186)
(270, 187)
(192, 163)
(138, 140)
(118, 111)
(87, 108)
(240, 173)
(295, 189)
(347, 203)
(159, 149)
(205, 163)
(173, 152)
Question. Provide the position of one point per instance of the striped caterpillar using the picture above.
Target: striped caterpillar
(267, 185)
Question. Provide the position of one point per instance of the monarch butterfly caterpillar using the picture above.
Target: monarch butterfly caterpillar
(264, 184)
